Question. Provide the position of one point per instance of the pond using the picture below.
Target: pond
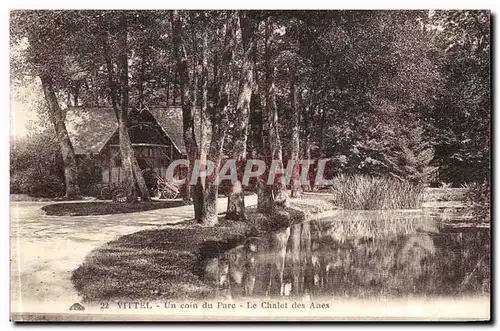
(359, 254)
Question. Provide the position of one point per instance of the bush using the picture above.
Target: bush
(88, 176)
(478, 197)
(366, 192)
(36, 166)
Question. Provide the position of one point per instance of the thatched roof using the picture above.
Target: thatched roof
(90, 128)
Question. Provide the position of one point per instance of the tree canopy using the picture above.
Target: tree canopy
(404, 94)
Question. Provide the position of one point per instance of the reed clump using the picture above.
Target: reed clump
(361, 192)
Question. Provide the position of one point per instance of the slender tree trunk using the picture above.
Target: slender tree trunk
(265, 196)
(279, 190)
(126, 152)
(236, 198)
(322, 120)
(94, 91)
(306, 147)
(307, 116)
(132, 174)
(265, 200)
(141, 79)
(295, 141)
(186, 102)
(220, 123)
(76, 93)
(57, 117)
(175, 89)
(321, 132)
(125, 143)
(198, 192)
(68, 98)
(204, 116)
(167, 97)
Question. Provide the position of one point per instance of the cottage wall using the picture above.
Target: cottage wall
(149, 156)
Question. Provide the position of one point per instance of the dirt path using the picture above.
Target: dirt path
(46, 249)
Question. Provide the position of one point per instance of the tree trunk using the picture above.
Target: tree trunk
(141, 79)
(295, 141)
(204, 118)
(265, 200)
(68, 98)
(220, 123)
(198, 192)
(175, 89)
(57, 118)
(322, 120)
(236, 198)
(126, 148)
(307, 114)
(186, 102)
(265, 197)
(321, 132)
(132, 172)
(274, 141)
(126, 154)
(76, 93)
(307, 149)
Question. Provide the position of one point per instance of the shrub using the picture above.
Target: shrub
(478, 197)
(36, 166)
(367, 192)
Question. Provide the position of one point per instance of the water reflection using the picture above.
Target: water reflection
(359, 254)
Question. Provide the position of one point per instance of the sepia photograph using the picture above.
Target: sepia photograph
(250, 165)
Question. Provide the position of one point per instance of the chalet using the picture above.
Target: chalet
(155, 133)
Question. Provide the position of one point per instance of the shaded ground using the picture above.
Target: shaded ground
(106, 207)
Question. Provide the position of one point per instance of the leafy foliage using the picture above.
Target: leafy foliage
(460, 118)
(478, 197)
(37, 169)
(36, 166)
(404, 94)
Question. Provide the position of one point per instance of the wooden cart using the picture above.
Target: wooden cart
(115, 192)
(160, 187)
(164, 189)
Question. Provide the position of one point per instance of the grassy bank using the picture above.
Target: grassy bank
(106, 207)
(167, 263)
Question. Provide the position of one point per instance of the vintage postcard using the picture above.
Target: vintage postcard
(250, 165)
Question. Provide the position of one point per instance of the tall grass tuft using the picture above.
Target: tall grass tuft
(367, 193)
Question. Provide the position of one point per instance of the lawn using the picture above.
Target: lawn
(106, 207)
(152, 264)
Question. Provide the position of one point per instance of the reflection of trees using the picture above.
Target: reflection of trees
(462, 262)
(366, 259)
